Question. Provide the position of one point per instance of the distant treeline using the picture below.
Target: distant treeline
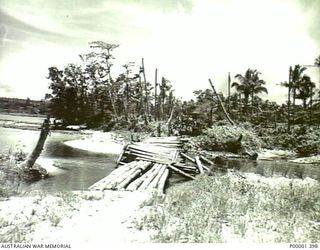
(27, 106)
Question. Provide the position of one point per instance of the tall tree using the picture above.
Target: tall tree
(305, 90)
(296, 78)
(249, 85)
(102, 56)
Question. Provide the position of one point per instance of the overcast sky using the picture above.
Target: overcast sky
(187, 40)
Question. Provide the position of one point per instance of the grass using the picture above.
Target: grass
(229, 208)
(10, 181)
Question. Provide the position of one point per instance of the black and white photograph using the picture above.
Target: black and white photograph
(126, 122)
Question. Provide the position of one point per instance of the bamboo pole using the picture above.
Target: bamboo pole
(221, 104)
(180, 172)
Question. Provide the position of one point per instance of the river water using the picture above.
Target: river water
(77, 169)
(74, 169)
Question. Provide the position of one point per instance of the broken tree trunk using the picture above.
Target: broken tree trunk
(169, 121)
(220, 103)
(31, 158)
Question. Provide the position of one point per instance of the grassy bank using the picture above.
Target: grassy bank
(233, 208)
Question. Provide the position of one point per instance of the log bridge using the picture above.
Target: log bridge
(147, 165)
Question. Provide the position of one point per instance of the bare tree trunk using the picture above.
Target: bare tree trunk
(221, 104)
(155, 96)
(169, 121)
(31, 159)
(146, 91)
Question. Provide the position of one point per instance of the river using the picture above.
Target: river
(78, 169)
(74, 169)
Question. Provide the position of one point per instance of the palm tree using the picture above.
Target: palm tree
(296, 78)
(305, 90)
(249, 85)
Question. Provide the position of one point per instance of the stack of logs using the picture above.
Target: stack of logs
(147, 166)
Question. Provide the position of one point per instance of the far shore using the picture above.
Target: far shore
(107, 142)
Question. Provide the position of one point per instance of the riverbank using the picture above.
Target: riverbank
(228, 208)
(82, 218)
(99, 142)
(235, 208)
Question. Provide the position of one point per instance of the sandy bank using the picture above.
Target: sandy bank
(271, 154)
(307, 160)
(98, 142)
(83, 218)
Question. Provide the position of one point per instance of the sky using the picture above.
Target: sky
(188, 41)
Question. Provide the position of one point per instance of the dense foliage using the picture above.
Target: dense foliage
(91, 93)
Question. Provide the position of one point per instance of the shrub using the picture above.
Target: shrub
(218, 138)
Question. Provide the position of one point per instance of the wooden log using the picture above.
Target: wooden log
(137, 182)
(34, 155)
(116, 181)
(177, 170)
(185, 167)
(101, 185)
(151, 175)
(187, 157)
(118, 171)
(162, 181)
(221, 104)
(162, 161)
(133, 175)
(122, 153)
(152, 154)
(151, 150)
(206, 160)
(155, 181)
(175, 156)
(199, 165)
